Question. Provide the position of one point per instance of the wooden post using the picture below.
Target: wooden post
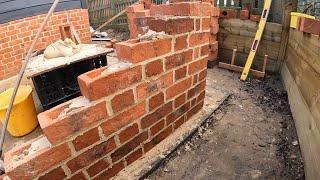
(233, 56)
(265, 60)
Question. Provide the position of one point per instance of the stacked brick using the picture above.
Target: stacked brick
(16, 37)
(132, 107)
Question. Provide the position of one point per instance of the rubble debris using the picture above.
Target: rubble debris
(152, 35)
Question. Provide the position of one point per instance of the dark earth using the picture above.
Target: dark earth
(251, 136)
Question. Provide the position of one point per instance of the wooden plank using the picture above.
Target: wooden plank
(255, 73)
(308, 133)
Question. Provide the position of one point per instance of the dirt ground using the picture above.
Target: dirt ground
(251, 136)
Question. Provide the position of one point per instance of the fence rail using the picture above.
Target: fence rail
(102, 10)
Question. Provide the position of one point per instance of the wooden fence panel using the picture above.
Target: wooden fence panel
(102, 10)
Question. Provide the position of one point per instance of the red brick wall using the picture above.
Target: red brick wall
(132, 108)
(16, 37)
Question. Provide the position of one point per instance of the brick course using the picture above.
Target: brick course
(132, 109)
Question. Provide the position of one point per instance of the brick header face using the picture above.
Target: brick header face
(16, 37)
(133, 107)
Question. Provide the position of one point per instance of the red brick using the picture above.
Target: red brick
(123, 119)
(57, 129)
(194, 110)
(198, 24)
(172, 26)
(228, 13)
(154, 117)
(196, 90)
(134, 51)
(162, 46)
(307, 25)
(128, 147)
(156, 101)
(78, 176)
(205, 50)
(214, 46)
(201, 96)
(196, 53)
(244, 14)
(128, 133)
(202, 75)
(255, 18)
(93, 86)
(198, 39)
(40, 162)
(154, 68)
(122, 101)
(178, 59)
(179, 88)
(157, 139)
(157, 128)
(215, 11)
(179, 122)
(180, 100)
(91, 155)
(97, 167)
(86, 139)
(134, 156)
(206, 24)
(197, 66)
(193, 102)
(57, 173)
(181, 43)
(177, 113)
(108, 174)
(180, 73)
(146, 89)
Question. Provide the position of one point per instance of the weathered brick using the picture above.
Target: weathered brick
(154, 68)
(172, 26)
(228, 13)
(194, 110)
(58, 128)
(129, 146)
(180, 73)
(57, 173)
(122, 101)
(196, 90)
(94, 86)
(91, 155)
(40, 162)
(177, 113)
(206, 23)
(179, 122)
(134, 156)
(197, 66)
(128, 133)
(180, 100)
(156, 101)
(205, 50)
(178, 88)
(181, 43)
(202, 75)
(201, 96)
(78, 176)
(157, 128)
(121, 120)
(198, 39)
(111, 172)
(244, 14)
(86, 139)
(178, 59)
(149, 87)
(157, 139)
(97, 167)
(154, 117)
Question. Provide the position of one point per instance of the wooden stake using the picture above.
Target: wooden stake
(233, 56)
(264, 63)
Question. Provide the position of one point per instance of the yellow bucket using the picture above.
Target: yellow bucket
(294, 18)
(23, 118)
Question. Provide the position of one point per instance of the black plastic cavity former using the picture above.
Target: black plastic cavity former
(61, 85)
